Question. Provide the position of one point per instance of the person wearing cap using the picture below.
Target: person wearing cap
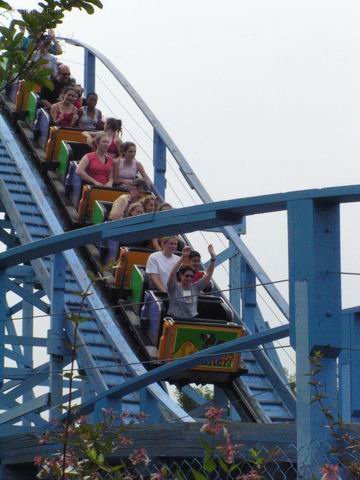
(42, 53)
(61, 81)
(137, 189)
(55, 47)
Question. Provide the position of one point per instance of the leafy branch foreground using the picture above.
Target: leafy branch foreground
(16, 62)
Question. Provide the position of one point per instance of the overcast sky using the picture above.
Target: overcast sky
(261, 96)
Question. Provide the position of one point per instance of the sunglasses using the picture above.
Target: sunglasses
(189, 276)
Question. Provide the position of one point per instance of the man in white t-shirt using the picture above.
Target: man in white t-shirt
(160, 264)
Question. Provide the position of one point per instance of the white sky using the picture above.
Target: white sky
(261, 97)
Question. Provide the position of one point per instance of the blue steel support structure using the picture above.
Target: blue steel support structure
(89, 71)
(315, 318)
(56, 334)
(315, 293)
(159, 160)
(349, 362)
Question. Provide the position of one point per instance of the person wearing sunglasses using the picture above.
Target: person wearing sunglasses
(183, 294)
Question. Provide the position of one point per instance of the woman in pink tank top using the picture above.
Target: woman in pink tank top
(96, 168)
(127, 168)
(64, 113)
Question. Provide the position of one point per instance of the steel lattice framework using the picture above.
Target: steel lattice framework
(41, 267)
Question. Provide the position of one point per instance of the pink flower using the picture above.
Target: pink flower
(38, 460)
(124, 441)
(139, 456)
(228, 449)
(211, 428)
(330, 472)
(214, 414)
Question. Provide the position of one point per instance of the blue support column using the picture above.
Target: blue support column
(89, 72)
(3, 318)
(248, 295)
(349, 364)
(56, 334)
(28, 331)
(315, 315)
(150, 406)
(159, 160)
(235, 281)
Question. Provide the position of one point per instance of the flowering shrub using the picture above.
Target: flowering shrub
(89, 447)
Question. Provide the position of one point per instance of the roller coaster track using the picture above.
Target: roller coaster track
(105, 353)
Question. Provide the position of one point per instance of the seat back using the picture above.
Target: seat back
(41, 127)
(31, 107)
(214, 308)
(73, 185)
(70, 151)
(100, 212)
(91, 193)
(57, 134)
(128, 257)
(154, 310)
(137, 285)
(22, 96)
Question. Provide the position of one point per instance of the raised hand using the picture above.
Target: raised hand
(211, 251)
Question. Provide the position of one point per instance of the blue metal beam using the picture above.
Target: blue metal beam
(180, 220)
(27, 296)
(89, 72)
(56, 334)
(188, 362)
(159, 160)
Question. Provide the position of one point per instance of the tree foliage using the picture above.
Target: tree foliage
(16, 62)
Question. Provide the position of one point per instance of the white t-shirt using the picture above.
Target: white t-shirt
(162, 265)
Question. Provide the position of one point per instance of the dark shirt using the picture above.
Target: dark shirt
(52, 96)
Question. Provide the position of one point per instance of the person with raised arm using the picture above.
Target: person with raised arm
(96, 168)
(183, 294)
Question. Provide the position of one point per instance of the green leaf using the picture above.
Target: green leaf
(197, 475)
(5, 5)
(209, 464)
(223, 465)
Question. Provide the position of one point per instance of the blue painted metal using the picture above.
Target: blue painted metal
(235, 281)
(107, 352)
(315, 317)
(56, 334)
(159, 160)
(89, 72)
(248, 295)
(28, 331)
(349, 361)
(3, 318)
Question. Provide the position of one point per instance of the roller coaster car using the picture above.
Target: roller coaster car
(183, 337)
(164, 338)
(57, 135)
(129, 271)
(90, 194)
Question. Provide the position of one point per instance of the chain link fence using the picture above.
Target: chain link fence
(274, 464)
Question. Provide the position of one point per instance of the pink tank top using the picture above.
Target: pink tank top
(128, 172)
(67, 118)
(97, 170)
